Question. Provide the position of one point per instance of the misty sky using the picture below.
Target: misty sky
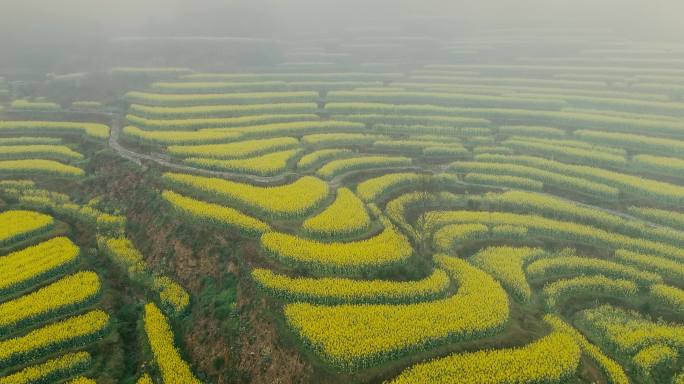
(93, 18)
(39, 31)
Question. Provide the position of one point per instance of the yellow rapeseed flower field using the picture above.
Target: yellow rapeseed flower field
(506, 265)
(371, 189)
(217, 214)
(99, 131)
(269, 164)
(295, 199)
(331, 290)
(366, 335)
(73, 330)
(180, 137)
(555, 229)
(613, 371)
(627, 332)
(550, 359)
(39, 151)
(575, 265)
(23, 267)
(384, 249)
(31, 166)
(346, 215)
(654, 356)
(593, 285)
(171, 293)
(340, 166)
(671, 297)
(235, 150)
(67, 292)
(63, 365)
(160, 336)
(16, 224)
(452, 235)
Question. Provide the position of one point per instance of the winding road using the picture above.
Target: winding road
(333, 184)
(137, 158)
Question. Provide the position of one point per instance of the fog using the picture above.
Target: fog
(41, 31)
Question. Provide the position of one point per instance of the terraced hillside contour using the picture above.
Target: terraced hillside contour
(455, 222)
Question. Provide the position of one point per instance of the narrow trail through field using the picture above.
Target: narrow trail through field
(138, 157)
(333, 183)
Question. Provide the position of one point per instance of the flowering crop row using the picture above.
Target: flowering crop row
(551, 359)
(555, 207)
(562, 267)
(173, 297)
(372, 189)
(443, 98)
(593, 285)
(555, 229)
(160, 336)
(30, 140)
(316, 158)
(99, 131)
(263, 165)
(531, 131)
(181, 137)
(294, 76)
(558, 180)
(40, 167)
(654, 357)
(347, 215)
(613, 371)
(290, 200)
(628, 332)
(658, 165)
(226, 124)
(73, 331)
(22, 268)
(633, 185)
(504, 181)
(218, 111)
(215, 214)
(589, 156)
(387, 248)
(665, 217)
(506, 265)
(337, 167)
(39, 151)
(668, 269)
(452, 235)
(639, 143)
(370, 334)
(335, 290)
(239, 149)
(52, 370)
(16, 225)
(162, 99)
(671, 297)
(216, 87)
(416, 147)
(58, 297)
(320, 140)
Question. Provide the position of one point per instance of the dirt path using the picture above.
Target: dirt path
(138, 157)
(333, 183)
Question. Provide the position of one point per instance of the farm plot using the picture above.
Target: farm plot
(494, 165)
(518, 222)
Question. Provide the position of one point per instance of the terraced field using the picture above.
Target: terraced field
(449, 222)
(59, 318)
